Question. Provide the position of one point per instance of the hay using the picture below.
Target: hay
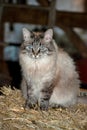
(14, 117)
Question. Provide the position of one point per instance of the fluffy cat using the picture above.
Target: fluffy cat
(49, 73)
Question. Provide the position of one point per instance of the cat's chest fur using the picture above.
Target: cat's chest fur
(38, 71)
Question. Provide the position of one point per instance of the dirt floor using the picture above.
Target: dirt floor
(14, 117)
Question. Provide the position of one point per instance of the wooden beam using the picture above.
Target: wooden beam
(25, 14)
(1, 24)
(71, 19)
(52, 14)
(76, 40)
(85, 5)
(39, 15)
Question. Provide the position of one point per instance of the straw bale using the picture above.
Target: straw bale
(13, 116)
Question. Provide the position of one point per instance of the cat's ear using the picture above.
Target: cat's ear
(48, 35)
(26, 34)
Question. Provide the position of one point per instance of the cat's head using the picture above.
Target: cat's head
(37, 44)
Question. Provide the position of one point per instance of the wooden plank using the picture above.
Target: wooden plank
(52, 14)
(25, 14)
(71, 19)
(85, 5)
(39, 15)
(76, 41)
(1, 24)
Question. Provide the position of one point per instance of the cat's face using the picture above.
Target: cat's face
(37, 45)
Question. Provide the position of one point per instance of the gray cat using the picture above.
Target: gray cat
(49, 74)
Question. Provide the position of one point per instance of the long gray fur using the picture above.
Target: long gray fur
(49, 73)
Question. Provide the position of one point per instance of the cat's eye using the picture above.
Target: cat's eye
(42, 48)
(28, 47)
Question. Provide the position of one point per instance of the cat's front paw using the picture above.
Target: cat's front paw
(30, 103)
(44, 105)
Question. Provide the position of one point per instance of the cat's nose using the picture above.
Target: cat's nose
(35, 51)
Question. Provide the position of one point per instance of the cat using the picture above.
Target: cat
(49, 75)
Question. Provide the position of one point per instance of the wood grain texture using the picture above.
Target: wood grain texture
(39, 15)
